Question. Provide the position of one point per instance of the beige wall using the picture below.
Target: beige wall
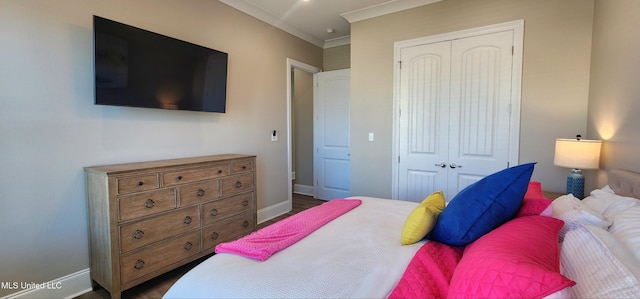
(614, 97)
(336, 58)
(557, 48)
(50, 129)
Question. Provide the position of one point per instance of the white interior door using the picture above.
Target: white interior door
(424, 120)
(454, 123)
(480, 107)
(331, 134)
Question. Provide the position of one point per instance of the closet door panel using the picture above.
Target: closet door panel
(424, 120)
(480, 107)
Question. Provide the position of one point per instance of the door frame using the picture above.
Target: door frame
(516, 84)
(291, 65)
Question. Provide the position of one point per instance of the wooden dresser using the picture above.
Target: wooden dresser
(150, 217)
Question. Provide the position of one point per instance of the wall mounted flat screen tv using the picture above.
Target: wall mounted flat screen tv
(138, 68)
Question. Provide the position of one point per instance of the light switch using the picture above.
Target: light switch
(370, 136)
(274, 135)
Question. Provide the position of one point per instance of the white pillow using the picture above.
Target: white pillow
(626, 228)
(619, 250)
(561, 294)
(600, 199)
(572, 211)
(609, 204)
(595, 269)
(548, 212)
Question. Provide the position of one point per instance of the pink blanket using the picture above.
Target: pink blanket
(429, 273)
(262, 244)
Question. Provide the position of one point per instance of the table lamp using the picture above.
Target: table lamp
(577, 154)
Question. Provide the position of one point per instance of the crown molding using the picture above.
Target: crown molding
(383, 9)
(338, 41)
(251, 10)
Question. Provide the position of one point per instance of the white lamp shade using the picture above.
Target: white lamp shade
(578, 154)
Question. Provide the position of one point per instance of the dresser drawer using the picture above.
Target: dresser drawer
(227, 230)
(137, 234)
(237, 184)
(226, 207)
(199, 192)
(195, 174)
(141, 263)
(146, 203)
(242, 166)
(138, 183)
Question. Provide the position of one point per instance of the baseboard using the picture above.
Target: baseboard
(303, 189)
(68, 286)
(273, 211)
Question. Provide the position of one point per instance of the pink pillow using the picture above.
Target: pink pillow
(534, 202)
(534, 190)
(519, 259)
(429, 272)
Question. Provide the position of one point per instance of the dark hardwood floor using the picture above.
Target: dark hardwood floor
(156, 287)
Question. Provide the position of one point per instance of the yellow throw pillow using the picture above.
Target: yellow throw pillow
(422, 219)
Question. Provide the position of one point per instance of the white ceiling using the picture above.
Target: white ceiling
(312, 20)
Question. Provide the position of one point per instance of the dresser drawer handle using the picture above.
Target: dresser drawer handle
(140, 183)
(187, 220)
(214, 235)
(214, 212)
(149, 203)
(219, 171)
(201, 192)
(188, 246)
(238, 184)
(138, 234)
(245, 203)
(244, 167)
(245, 224)
(179, 178)
(139, 264)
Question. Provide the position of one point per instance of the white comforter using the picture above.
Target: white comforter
(357, 255)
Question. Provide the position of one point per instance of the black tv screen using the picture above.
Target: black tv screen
(139, 68)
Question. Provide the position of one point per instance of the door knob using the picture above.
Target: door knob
(453, 165)
(443, 165)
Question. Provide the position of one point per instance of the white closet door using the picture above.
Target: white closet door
(480, 107)
(424, 127)
(454, 123)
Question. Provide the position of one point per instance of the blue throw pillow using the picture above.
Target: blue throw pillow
(482, 206)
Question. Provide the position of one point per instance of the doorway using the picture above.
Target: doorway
(299, 83)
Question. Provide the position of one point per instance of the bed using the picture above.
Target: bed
(359, 254)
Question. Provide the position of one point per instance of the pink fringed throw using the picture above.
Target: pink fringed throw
(262, 244)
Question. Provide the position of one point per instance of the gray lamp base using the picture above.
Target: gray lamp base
(575, 183)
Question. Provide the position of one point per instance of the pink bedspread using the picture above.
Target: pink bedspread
(262, 244)
(429, 272)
